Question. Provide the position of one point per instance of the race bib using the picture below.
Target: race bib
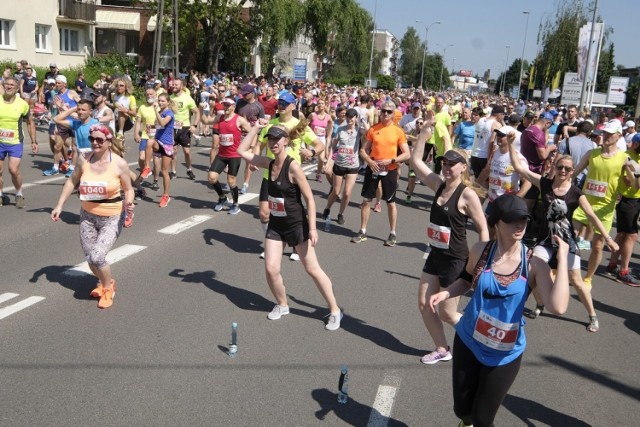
(93, 190)
(226, 139)
(382, 170)
(495, 183)
(494, 333)
(276, 206)
(178, 125)
(319, 131)
(595, 188)
(151, 131)
(7, 135)
(439, 236)
(345, 150)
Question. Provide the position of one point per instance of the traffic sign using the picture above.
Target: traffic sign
(617, 93)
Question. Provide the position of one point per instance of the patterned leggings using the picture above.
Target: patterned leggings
(98, 235)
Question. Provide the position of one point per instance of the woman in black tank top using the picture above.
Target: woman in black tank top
(287, 185)
(454, 202)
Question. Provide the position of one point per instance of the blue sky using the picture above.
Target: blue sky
(481, 30)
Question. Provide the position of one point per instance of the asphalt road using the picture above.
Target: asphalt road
(158, 356)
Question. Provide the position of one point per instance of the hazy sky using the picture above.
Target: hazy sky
(481, 30)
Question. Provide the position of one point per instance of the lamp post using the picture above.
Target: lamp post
(504, 76)
(373, 40)
(444, 53)
(424, 52)
(526, 27)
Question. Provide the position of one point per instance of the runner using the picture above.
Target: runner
(100, 178)
(490, 339)
(287, 221)
(322, 125)
(454, 203)
(63, 99)
(124, 106)
(144, 130)
(13, 110)
(183, 129)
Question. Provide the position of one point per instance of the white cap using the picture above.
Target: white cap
(61, 78)
(629, 124)
(505, 130)
(613, 126)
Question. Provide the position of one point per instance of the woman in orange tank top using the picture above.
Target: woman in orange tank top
(100, 179)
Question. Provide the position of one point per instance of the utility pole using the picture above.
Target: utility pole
(157, 38)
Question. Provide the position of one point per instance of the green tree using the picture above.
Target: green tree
(606, 69)
(511, 76)
(385, 82)
(411, 59)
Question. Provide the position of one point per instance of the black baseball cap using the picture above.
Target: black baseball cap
(508, 208)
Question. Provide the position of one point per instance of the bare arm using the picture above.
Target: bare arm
(522, 169)
(425, 174)
(473, 209)
(298, 177)
(593, 218)
(61, 118)
(244, 149)
(554, 293)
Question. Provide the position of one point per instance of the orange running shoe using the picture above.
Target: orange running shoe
(97, 292)
(106, 300)
(164, 201)
(145, 172)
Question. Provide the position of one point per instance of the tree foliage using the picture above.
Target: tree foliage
(511, 76)
(411, 59)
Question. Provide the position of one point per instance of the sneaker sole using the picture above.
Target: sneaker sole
(433, 362)
(277, 318)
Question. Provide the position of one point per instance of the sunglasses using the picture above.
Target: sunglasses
(386, 111)
(120, 85)
(565, 168)
(501, 135)
(448, 163)
(283, 103)
(98, 140)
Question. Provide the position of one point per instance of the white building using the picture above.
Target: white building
(386, 42)
(297, 54)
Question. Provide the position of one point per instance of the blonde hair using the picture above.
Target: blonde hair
(117, 146)
(128, 86)
(466, 175)
(563, 157)
(299, 130)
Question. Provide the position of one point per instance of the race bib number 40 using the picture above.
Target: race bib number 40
(439, 236)
(93, 190)
(595, 188)
(495, 334)
(276, 206)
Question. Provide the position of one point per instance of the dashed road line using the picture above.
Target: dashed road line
(383, 404)
(113, 256)
(20, 305)
(185, 224)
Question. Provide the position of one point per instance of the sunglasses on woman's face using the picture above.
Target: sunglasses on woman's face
(565, 168)
(97, 139)
(386, 111)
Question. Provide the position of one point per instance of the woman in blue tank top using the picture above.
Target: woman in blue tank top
(490, 338)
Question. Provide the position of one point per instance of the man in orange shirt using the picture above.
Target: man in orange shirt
(384, 142)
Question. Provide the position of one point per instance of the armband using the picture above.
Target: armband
(464, 275)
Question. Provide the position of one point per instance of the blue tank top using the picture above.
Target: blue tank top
(492, 325)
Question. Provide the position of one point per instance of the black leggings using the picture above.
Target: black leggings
(478, 390)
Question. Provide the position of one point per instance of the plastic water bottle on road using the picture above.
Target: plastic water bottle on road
(343, 386)
(327, 224)
(233, 346)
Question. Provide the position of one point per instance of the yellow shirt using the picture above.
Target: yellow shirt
(147, 114)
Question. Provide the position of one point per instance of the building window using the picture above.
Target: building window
(116, 41)
(43, 41)
(70, 40)
(7, 33)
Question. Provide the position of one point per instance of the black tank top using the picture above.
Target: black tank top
(449, 216)
(285, 202)
(558, 215)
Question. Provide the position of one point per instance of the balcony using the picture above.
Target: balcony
(83, 10)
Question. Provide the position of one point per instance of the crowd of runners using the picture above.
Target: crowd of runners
(541, 183)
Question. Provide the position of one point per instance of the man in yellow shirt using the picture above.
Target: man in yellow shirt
(183, 128)
(384, 141)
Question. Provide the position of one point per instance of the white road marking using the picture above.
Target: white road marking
(185, 224)
(7, 296)
(383, 404)
(20, 305)
(114, 256)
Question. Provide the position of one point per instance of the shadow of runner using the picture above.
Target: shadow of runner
(528, 411)
(631, 319)
(352, 413)
(232, 241)
(241, 298)
(81, 285)
(359, 327)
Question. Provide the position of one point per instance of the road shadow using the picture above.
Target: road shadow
(232, 241)
(529, 411)
(81, 284)
(351, 413)
(241, 298)
(360, 328)
(602, 378)
(397, 273)
(196, 203)
(631, 319)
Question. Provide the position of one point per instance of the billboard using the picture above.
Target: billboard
(617, 93)
(300, 70)
(465, 73)
(571, 89)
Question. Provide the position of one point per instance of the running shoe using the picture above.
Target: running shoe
(164, 201)
(277, 312)
(359, 178)
(97, 292)
(319, 178)
(191, 175)
(155, 186)
(172, 175)
(408, 200)
(436, 356)
(340, 219)
(244, 189)
(594, 325)
(128, 220)
(51, 172)
(262, 255)
(587, 281)
(360, 237)
(220, 205)
(612, 270)
(63, 167)
(235, 209)
(141, 193)
(334, 321)
(4, 200)
(294, 256)
(145, 172)
(106, 299)
(391, 240)
(69, 173)
(20, 201)
(377, 207)
(583, 245)
(325, 214)
(628, 279)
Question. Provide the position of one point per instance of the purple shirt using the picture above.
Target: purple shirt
(531, 139)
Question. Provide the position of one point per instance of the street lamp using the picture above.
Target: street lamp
(504, 76)
(424, 52)
(526, 27)
(373, 40)
(444, 53)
